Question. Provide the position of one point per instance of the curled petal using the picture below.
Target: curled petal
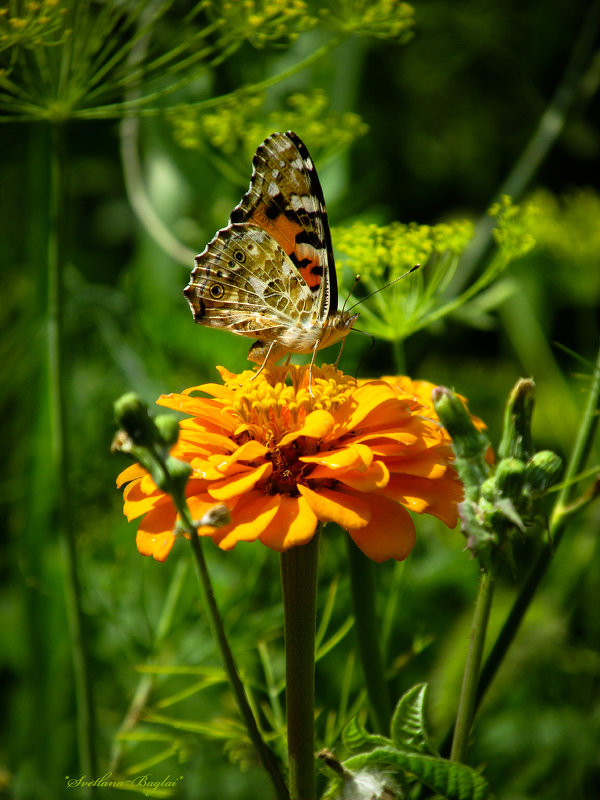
(131, 472)
(248, 520)
(365, 480)
(344, 509)
(355, 456)
(373, 405)
(137, 502)
(294, 524)
(249, 451)
(317, 425)
(240, 483)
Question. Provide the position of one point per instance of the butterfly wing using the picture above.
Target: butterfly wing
(244, 281)
(286, 200)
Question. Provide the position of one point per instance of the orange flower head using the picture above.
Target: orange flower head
(284, 457)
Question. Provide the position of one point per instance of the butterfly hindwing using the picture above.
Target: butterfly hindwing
(244, 269)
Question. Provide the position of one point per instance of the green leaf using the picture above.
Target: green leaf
(448, 779)
(354, 736)
(408, 727)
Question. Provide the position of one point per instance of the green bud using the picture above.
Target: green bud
(467, 441)
(516, 434)
(168, 429)
(132, 416)
(489, 490)
(510, 478)
(176, 476)
(542, 471)
(469, 444)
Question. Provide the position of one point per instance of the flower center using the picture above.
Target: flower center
(277, 400)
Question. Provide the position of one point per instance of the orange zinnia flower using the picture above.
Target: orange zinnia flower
(284, 457)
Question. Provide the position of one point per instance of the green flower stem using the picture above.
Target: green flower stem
(362, 586)
(468, 692)
(563, 510)
(118, 109)
(399, 357)
(60, 454)
(265, 754)
(299, 585)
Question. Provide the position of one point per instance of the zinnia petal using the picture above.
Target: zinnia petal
(317, 425)
(248, 520)
(294, 524)
(240, 483)
(344, 509)
(389, 534)
(351, 456)
(155, 535)
(364, 480)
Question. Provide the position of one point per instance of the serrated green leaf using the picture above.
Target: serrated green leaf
(450, 780)
(354, 736)
(408, 728)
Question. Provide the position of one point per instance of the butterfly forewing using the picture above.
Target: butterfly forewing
(285, 198)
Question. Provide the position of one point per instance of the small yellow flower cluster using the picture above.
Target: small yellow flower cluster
(513, 229)
(383, 19)
(376, 251)
(568, 228)
(262, 22)
(32, 24)
(223, 128)
(237, 125)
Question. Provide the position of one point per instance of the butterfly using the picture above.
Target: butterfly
(270, 272)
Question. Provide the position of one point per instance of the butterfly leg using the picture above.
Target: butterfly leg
(339, 355)
(310, 369)
(266, 359)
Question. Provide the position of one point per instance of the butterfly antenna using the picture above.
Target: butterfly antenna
(356, 280)
(381, 288)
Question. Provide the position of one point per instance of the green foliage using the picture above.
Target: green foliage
(408, 757)
(425, 132)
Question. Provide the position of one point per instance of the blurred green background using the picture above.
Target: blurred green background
(441, 121)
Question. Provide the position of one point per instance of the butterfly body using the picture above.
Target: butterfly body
(270, 273)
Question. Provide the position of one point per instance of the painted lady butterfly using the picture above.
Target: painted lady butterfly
(270, 273)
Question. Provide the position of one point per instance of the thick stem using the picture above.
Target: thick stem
(368, 636)
(299, 583)
(468, 692)
(60, 454)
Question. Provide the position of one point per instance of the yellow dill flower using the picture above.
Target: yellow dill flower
(384, 19)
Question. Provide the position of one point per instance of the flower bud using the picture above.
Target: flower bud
(168, 429)
(132, 416)
(542, 471)
(469, 444)
(467, 441)
(516, 434)
(510, 477)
